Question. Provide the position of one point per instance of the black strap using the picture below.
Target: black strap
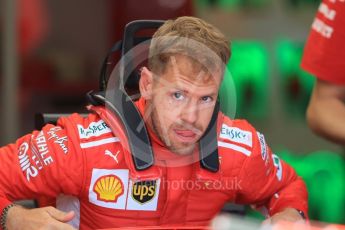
(209, 144)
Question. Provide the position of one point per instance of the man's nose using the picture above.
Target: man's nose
(190, 113)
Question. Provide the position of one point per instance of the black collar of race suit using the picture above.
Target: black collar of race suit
(138, 139)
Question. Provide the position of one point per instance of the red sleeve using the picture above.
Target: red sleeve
(324, 52)
(268, 182)
(44, 163)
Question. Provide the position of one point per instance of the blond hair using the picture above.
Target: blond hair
(190, 36)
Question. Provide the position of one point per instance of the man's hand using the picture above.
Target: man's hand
(38, 218)
(287, 215)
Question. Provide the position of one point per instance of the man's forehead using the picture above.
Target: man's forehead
(183, 70)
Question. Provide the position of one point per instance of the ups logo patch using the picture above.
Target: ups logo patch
(144, 191)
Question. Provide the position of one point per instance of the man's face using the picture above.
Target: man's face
(182, 104)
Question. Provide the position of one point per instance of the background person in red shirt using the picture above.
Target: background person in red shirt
(324, 57)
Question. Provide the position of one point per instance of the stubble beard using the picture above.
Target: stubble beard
(163, 135)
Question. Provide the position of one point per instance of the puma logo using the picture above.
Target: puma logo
(108, 153)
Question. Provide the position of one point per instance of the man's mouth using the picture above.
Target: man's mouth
(185, 135)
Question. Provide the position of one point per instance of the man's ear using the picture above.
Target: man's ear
(145, 83)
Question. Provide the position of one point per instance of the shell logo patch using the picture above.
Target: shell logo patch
(108, 188)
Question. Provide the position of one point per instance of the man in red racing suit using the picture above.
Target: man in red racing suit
(74, 156)
(87, 158)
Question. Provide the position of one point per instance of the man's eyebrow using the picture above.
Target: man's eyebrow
(179, 88)
(213, 94)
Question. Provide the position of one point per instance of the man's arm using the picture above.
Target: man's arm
(326, 111)
(271, 185)
(275, 190)
(44, 163)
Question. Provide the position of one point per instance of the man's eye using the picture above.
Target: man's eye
(206, 99)
(178, 96)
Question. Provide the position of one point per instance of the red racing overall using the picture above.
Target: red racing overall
(86, 158)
